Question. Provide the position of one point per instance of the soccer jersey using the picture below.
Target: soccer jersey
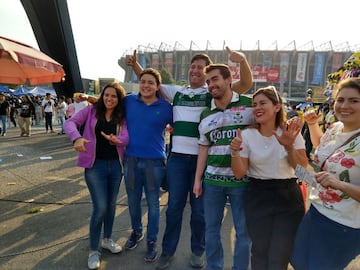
(188, 104)
(217, 128)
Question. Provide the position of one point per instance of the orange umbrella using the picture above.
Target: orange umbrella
(20, 62)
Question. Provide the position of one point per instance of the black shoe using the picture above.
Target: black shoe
(133, 240)
(151, 252)
(163, 262)
(197, 261)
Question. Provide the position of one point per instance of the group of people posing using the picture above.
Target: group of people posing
(226, 146)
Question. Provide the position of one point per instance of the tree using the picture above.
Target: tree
(166, 77)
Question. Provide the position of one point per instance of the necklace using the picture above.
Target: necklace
(267, 141)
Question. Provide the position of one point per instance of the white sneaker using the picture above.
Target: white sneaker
(111, 246)
(94, 260)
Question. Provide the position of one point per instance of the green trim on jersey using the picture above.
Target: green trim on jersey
(217, 128)
(192, 100)
(187, 129)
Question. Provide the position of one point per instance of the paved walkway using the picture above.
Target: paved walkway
(38, 174)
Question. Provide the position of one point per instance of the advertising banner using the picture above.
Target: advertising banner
(284, 66)
(337, 62)
(265, 74)
(301, 67)
(155, 60)
(319, 65)
(169, 62)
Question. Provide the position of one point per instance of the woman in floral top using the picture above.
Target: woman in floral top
(329, 235)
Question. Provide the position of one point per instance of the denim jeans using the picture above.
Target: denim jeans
(103, 181)
(48, 121)
(322, 243)
(180, 176)
(144, 174)
(215, 198)
(4, 123)
(62, 120)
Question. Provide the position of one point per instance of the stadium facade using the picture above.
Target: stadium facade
(292, 71)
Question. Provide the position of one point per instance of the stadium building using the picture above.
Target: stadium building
(291, 70)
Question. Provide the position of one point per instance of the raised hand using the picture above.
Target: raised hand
(289, 133)
(311, 117)
(236, 57)
(131, 59)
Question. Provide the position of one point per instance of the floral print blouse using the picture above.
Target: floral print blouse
(344, 163)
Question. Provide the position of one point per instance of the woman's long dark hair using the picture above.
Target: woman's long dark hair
(271, 93)
(119, 111)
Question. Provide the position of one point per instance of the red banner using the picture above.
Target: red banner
(265, 74)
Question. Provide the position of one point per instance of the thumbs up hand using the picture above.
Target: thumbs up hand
(236, 142)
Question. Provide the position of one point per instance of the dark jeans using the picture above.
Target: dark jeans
(306, 135)
(48, 121)
(181, 174)
(322, 243)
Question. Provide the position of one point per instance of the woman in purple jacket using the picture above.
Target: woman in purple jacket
(101, 152)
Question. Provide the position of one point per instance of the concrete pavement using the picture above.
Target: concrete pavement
(38, 174)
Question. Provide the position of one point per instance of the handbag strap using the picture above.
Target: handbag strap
(344, 143)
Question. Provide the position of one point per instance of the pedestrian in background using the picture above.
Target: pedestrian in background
(101, 152)
(27, 111)
(62, 108)
(48, 108)
(4, 113)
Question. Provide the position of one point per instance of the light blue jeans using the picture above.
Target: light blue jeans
(4, 123)
(62, 120)
(215, 198)
(144, 174)
(103, 181)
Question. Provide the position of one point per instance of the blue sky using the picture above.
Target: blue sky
(107, 29)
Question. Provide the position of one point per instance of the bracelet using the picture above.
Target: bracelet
(235, 153)
(312, 124)
(289, 150)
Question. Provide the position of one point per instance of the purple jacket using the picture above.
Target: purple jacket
(87, 116)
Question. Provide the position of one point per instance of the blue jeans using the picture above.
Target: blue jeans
(215, 198)
(322, 243)
(180, 176)
(62, 120)
(103, 181)
(4, 123)
(144, 174)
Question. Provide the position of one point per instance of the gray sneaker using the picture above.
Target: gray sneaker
(94, 260)
(197, 261)
(163, 262)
